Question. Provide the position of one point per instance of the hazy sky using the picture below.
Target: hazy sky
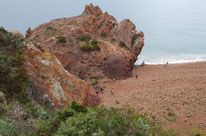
(20, 14)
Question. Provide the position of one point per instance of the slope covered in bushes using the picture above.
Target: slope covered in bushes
(13, 81)
(75, 120)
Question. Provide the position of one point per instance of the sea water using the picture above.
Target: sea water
(175, 30)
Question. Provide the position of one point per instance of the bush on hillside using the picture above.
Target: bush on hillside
(34, 110)
(94, 42)
(50, 31)
(113, 40)
(94, 83)
(3, 103)
(122, 44)
(105, 122)
(13, 79)
(61, 39)
(104, 35)
(7, 129)
(87, 47)
(84, 38)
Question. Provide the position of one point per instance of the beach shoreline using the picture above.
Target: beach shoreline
(174, 94)
(169, 63)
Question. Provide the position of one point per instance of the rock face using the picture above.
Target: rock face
(28, 32)
(119, 44)
(51, 84)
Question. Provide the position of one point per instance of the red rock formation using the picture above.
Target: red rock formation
(119, 43)
(52, 84)
(28, 32)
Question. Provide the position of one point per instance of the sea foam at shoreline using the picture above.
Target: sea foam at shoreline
(151, 60)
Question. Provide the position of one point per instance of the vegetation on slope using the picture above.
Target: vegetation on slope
(13, 81)
(89, 47)
(75, 120)
(61, 39)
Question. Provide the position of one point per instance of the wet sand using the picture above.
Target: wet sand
(174, 95)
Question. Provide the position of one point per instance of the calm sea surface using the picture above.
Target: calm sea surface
(175, 30)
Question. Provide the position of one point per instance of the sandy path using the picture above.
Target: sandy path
(162, 93)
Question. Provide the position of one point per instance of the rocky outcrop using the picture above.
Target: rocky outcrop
(51, 84)
(28, 32)
(119, 44)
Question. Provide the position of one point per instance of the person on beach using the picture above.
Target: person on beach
(113, 79)
(136, 76)
(166, 64)
(142, 64)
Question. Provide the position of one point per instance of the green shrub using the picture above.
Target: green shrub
(113, 40)
(109, 122)
(99, 121)
(89, 48)
(14, 80)
(50, 30)
(159, 131)
(94, 83)
(62, 115)
(50, 125)
(78, 120)
(61, 39)
(104, 35)
(2, 97)
(7, 129)
(84, 38)
(145, 128)
(96, 48)
(81, 124)
(34, 110)
(78, 107)
(122, 44)
(3, 107)
(94, 42)
(195, 131)
(76, 25)
(172, 117)
(46, 127)
(3, 103)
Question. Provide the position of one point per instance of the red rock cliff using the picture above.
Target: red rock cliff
(119, 44)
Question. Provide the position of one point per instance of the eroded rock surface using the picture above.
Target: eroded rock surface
(119, 44)
(52, 84)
